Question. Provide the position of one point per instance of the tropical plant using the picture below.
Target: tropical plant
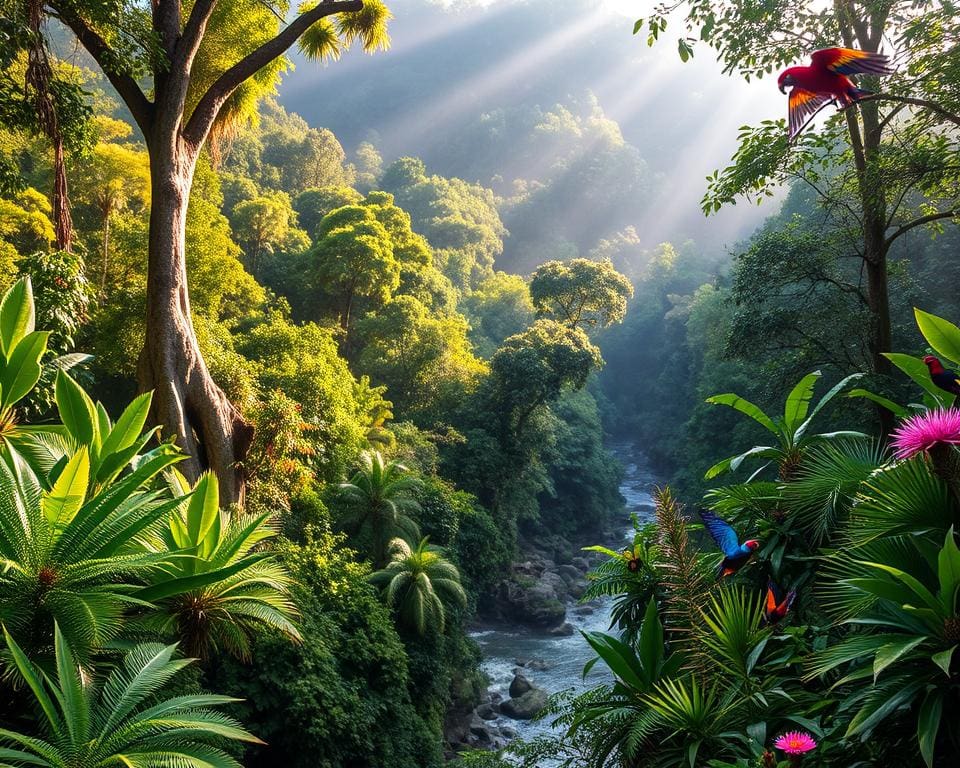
(73, 557)
(626, 721)
(419, 583)
(629, 576)
(378, 497)
(907, 656)
(790, 430)
(125, 721)
(227, 588)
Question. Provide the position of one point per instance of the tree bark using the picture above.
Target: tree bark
(186, 400)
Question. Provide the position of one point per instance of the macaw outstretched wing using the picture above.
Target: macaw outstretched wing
(804, 104)
(849, 61)
(722, 533)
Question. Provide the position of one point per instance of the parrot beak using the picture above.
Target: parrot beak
(782, 89)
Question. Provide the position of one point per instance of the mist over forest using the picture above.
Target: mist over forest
(519, 93)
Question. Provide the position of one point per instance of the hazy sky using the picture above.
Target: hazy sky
(452, 61)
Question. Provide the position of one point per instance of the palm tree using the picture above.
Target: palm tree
(379, 495)
(74, 558)
(790, 430)
(246, 589)
(124, 722)
(417, 582)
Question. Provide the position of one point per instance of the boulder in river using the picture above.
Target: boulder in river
(564, 630)
(581, 563)
(519, 685)
(527, 706)
(486, 712)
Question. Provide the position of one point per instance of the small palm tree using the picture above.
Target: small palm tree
(418, 582)
(379, 496)
(124, 722)
(229, 588)
(790, 430)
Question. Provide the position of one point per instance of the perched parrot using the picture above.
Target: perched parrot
(777, 605)
(827, 79)
(735, 554)
(943, 378)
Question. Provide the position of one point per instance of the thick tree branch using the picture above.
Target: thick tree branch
(951, 214)
(128, 89)
(192, 35)
(213, 100)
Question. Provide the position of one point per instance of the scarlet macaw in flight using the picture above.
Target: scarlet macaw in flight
(827, 79)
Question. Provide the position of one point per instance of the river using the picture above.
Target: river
(565, 656)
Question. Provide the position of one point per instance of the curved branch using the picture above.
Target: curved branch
(125, 85)
(213, 100)
(930, 106)
(951, 214)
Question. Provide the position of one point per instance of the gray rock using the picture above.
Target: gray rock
(518, 686)
(527, 706)
(584, 610)
(581, 563)
(482, 732)
(570, 573)
(538, 665)
(577, 588)
(486, 712)
(507, 732)
(564, 630)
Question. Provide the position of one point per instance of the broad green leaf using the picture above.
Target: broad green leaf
(203, 515)
(76, 408)
(798, 401)
(23, 367)
(180, 585)
(651, 640)
(948, 571)
(916, 370)
(889, 653)
(943, 659)
(911, 582)
(16, 315)
(941, 334)
(822, 403)
(129, 426)
(895, 408)
(745, 407)
(928, 723)
(61, 503)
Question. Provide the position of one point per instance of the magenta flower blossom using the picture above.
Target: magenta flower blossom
(925, 430)
(795, 742)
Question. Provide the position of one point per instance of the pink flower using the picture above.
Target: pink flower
(925, 430)
(795, 742)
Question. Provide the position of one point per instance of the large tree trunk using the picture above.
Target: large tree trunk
(186, 401)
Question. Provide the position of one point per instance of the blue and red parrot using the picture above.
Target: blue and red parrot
(944, 378)
(777, 606)
(828, 79)
(735, 554)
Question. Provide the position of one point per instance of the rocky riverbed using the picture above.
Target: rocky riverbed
(530, 640)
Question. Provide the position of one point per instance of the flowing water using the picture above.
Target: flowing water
(565, 656)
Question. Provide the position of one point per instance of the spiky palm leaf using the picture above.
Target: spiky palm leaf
(822, 494)
(75, 559)
(379, 496)
(228, 589)
(904, 498)
(420, 583)
(733, 631)
(123, 722)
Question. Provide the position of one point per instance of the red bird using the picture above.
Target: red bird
(826, 80)
(943, 378)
